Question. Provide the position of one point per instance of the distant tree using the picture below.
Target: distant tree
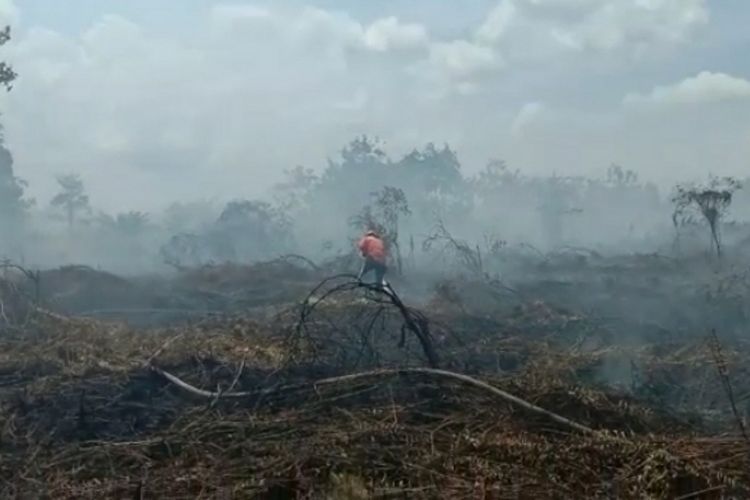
(185, 250)
(188, 217)
(72, 198)
(323, 205)
(7, 75)
(293, 192)
(363, 151)
(362, 166)
(251, 229)
(711, 201)
(628, 201)
(495, 176)
(128, 224)
(559, 198)
(432, 180)
(618, 176)
(432, 170)
(12, 203)
(497, 188)
(132, 223)
(242, 213)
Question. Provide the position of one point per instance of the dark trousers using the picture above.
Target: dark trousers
(377, 267)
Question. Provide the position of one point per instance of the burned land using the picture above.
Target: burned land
(540, 337)
(179, 313)
(621, 377)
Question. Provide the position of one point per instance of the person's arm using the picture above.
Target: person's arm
(362, 246)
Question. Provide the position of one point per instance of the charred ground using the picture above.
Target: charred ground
(289, 390)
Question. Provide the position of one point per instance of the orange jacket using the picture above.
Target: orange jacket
(373, 248)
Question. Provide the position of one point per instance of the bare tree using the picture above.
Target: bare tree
(442, 240)
(711, 201)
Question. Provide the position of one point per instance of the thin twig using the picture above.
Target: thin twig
(696, 494)
(721, 367)
(162, 348)
(237, 377)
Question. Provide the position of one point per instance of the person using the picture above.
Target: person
(373, 251)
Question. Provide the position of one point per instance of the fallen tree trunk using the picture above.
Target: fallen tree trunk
(431, 372)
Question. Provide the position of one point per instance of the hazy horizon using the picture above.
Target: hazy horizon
(213, 99)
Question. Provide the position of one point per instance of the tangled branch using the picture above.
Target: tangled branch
(470, 257)
(413, 320)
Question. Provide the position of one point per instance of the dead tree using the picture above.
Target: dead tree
(711, 201)
(441, 239)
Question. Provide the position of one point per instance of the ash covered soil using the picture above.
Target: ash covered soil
(574, 376)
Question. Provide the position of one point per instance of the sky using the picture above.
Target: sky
(154, 102)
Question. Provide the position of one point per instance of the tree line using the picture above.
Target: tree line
(319, 211)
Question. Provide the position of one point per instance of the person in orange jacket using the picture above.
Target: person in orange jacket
(375, 255)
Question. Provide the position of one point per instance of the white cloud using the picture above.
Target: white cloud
(537, 32)
(705, 87)
(315, 26)
(528, 113)
(388, 33)
(461, 59)
(455, 68)
(526, 29)
(312, 26)
(498, 22)
(254, 91)
(227, 15)
(9, 13)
